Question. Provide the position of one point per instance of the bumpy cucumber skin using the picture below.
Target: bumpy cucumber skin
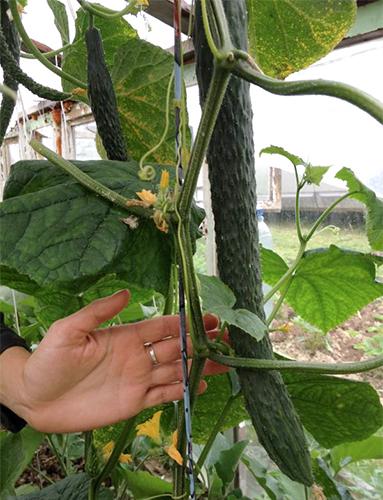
(14, 70)
(13, 40)
(233, 185)
(102, 98)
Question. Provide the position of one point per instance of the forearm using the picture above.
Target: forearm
(12, 362)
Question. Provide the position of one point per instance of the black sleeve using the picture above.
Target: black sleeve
(8, 338)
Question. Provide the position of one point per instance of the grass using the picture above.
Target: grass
(286, 240)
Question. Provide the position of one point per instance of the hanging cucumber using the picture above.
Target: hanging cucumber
(233, 186)
(102, 98)
(10, 64)
(12, 38)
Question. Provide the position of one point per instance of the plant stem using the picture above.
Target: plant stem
(86, 180)
(88, 445)
(280, 302)
(325, 214)
(342, 91)
(49, 54)
(217, 428)
(8, 92)
(297, 210)
(111, 463)
(58, 455)
(35, 51)
(274, 364)
(211, 109)
(287, 274)
(38, 471)
(222, 332)
(105, 13)
(209, 36)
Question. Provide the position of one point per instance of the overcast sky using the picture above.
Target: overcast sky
(320, 129)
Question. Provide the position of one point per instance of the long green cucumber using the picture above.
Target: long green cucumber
(102, 98)
(233, 186)
(11, 36)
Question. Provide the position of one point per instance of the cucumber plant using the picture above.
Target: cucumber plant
(160, 230)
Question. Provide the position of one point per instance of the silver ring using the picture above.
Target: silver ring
(153, 356)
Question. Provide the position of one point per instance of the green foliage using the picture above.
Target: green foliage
(307, 31)
(64, 237)
(346, 453)
(143, 485)
(335, 410)
(227, 463)
(217, 298)
(323, 477)
(114, 34)
(312, 175)
(71, 488)
(372, 346)
(141, 74)
(374, 205)
(329, 285)
(61, 19)
(16, 451)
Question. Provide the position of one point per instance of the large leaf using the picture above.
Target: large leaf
(335, 410)
(273, 266)
(217, 298)
(74, 487)
(61, 19)
(288, 35)
(330, 285)
(258, 468)
(141, 74)
(114, 33)
(61, 235)
(143, 485)
(373, 204)
(16, 451)
(346, 453)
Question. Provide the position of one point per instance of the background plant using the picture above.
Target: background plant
(146, 269)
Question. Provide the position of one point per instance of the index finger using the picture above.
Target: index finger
(156, 329)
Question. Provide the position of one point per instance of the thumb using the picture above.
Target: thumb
(90, 317)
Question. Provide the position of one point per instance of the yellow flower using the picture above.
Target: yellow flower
(164, 180)
(173, 452)
(147, 197)
(125, 458)
(108, 449)
(151, 427)
(142, 3)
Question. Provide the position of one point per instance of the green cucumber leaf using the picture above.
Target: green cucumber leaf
(334, 410)
(258, 467)
(114, 33)
(312, 175)
(330, 285)
(346, 453)
(374, 205)
(61, 19)
(228, 461)
(332, 490)
(273, 266)
(215, 487)
(16, 451)
(143, 485)
(141, 74)
(75, 487)
(217, 298)
(286, 36)
(57, 234)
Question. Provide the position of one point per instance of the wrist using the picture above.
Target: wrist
(12, 386)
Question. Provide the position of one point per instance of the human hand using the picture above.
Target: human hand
(80, 378)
